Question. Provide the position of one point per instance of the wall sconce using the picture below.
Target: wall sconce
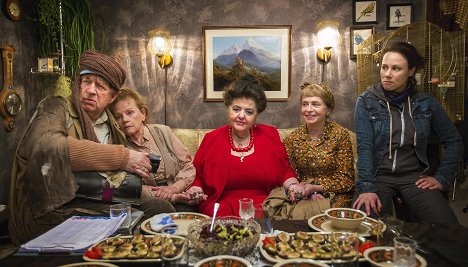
(328, 37)
(160, 46)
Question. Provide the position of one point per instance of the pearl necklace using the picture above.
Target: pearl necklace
(241, 149)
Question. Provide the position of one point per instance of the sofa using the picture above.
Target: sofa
(192, 138)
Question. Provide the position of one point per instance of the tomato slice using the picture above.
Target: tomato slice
(364, 246)
(268, 241)
(93, 253)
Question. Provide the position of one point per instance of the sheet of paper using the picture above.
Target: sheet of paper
(73, 235)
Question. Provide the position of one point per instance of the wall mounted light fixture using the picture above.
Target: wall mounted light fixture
(328, 37)
(160, 46)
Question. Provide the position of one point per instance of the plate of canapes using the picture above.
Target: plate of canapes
(303, 245)
(137, 248)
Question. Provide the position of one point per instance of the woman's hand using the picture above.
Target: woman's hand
(165, 192)
(296, 192)
(312, 189)
(370, 200)
(195, 195)
(428, 182)
(139, 163)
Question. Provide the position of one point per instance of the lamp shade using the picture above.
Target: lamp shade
(328, 35)
(158, 43)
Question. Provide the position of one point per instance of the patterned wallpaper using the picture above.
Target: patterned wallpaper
(126, 24)
(130, 21)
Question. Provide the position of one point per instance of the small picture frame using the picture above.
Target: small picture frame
(399, 15)
(365, 12)
(357, 34)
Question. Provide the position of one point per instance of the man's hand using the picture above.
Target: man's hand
(370, 200)
(139, 163)
(428, 182)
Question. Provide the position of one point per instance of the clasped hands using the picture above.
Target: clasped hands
(298, 192)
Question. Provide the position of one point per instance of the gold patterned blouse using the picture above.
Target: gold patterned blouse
(327, 162)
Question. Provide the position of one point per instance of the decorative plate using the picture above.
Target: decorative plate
(383, 256)
(137, 248)
(223, 260)
(182, 219)
(321, 252)
(321, 223)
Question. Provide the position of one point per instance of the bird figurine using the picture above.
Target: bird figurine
(367, 10)
(398, 14)
(358, 39)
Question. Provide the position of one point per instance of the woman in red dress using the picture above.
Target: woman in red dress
(242, 159)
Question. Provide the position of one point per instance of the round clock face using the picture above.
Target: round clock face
(13, 104)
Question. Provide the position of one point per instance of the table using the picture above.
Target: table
(448, 245)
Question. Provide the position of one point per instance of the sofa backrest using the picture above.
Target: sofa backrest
(192, 138)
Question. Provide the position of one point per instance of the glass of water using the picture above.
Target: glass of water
(246, 208)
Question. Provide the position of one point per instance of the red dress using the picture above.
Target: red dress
(225, 179)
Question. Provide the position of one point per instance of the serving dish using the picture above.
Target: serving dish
(302, 245)
(300, 263)
(182, 219)
(137, 248)
(321, 223)
(230, 235)
(383, 257)
(345, 218)
(223, 260)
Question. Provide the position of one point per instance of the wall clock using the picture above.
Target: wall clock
(12, 9)
(10, 102)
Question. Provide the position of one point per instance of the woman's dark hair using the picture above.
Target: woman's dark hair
(408, 51)
(246, 87)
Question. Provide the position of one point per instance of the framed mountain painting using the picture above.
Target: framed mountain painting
(232, 52)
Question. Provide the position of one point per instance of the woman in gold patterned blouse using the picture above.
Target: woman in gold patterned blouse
(320, 152)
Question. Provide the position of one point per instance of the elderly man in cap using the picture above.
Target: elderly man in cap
(67, 135)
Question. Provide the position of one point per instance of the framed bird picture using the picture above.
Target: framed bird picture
(399, 15)
(365, 12)
(357, 35)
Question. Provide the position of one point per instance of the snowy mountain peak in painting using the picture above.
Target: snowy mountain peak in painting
(252, 54)
(234, 49)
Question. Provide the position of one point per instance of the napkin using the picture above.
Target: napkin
(163, 223)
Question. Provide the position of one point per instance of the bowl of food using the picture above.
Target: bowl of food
(230, 236)
(300, 263)
(223, 260)
(383, 257)
(344, 218)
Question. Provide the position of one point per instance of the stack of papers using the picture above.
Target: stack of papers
(74, 235)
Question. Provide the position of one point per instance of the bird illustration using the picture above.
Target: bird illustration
(398, 14)
(358, 39)
(367, 10)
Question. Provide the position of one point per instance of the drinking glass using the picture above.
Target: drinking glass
(246, 208)
(120, 218)
(345, 249)
(404, 252)
(262, 217)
